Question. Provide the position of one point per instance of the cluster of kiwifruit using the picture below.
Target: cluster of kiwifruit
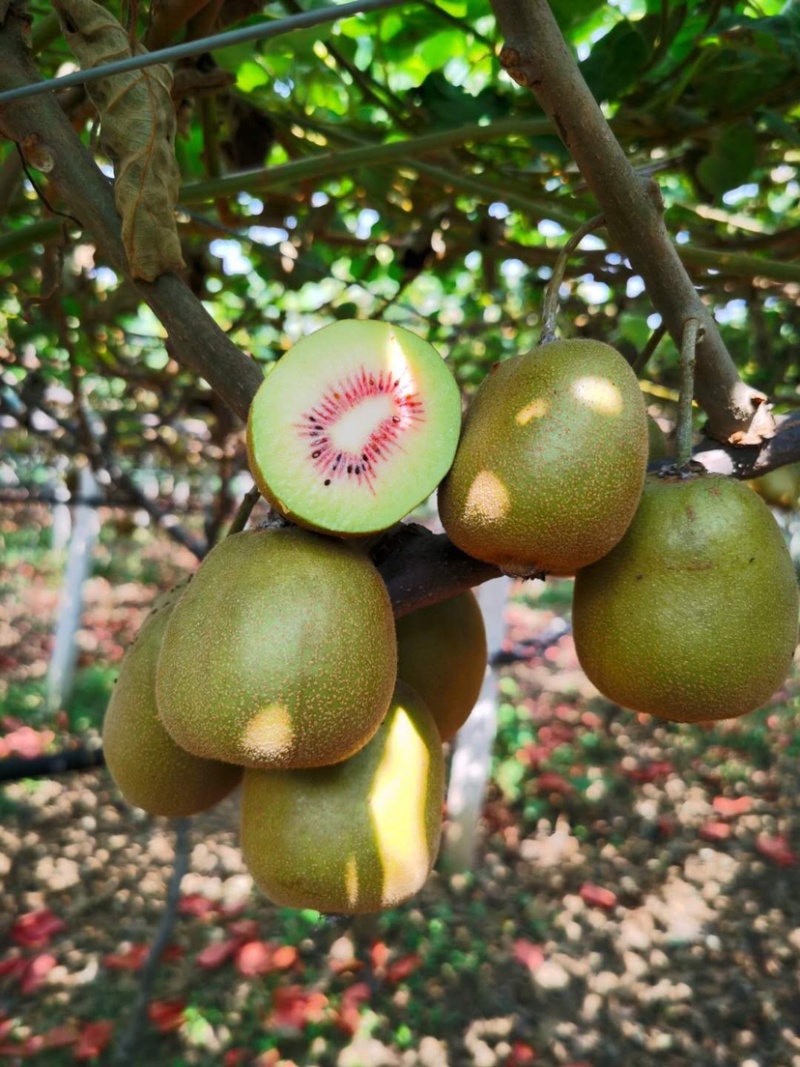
(281, 661)
(281, 665)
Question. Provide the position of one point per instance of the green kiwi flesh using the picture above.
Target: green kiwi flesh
(360, 836)
(442, 653)
(353, 427)
(281, 653)
(551, 462)
(693, 615)
(150, 770)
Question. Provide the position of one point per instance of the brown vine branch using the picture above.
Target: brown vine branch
(124, 1051)
(536, 56)
(683, 435)
(551, 293)
(193, 335)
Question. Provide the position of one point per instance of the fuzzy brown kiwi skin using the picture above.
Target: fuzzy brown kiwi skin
(442, 653)
(692, 616)
(150, 770)
(294, 633)
(357, 837)
(546, 479)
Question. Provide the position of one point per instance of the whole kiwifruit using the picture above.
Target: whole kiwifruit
(353, 427)
(551, 461)
(150, 770)
(360, 836)
(693, 615)
(780, 488)
(441, 652)
(281, 653)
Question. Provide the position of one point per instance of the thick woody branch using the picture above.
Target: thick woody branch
(422, 568)
(537, 56)
(44, 133)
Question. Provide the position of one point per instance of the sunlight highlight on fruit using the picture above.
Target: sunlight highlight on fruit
(487, 499)
(599, 394)
(270, 729)
(537, 409)
(398, 805)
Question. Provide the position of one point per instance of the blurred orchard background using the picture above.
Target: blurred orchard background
(630, 890)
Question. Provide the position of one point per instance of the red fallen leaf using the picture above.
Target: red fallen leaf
(401, 968)
(166, 1015)
(528, 954)
(269, 1059)
(94, 1038)
(197, 906)
(532, 754)
(33, 1045)
(36, 928)
(13, 967)
(521, 1054)
(285, 956)
(255, 958)
(231, 910)
(6, 1026)
(379, 957)
(233, 1057)
(37, 971)
(217, 953)
(14, 1049)
(348, 1017)
(649, 772)
(714, 831)
(244, 930)
(60, 1036)
(591, 719)
(550, 782)
(776, 849)
(294, 1007)
(133, 957)
(129, 959)
(596, 896)
(27, 742)
(666, 826)
(729, 808)
(557, 729)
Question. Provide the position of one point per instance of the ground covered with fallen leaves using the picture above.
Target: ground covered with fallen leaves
(636, 897)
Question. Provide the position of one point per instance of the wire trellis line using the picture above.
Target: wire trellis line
(260, 31)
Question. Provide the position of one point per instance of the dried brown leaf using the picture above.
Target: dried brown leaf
(138, 133)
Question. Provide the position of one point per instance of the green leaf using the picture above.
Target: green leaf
(616, 60)
(448, 105)
(731, 160)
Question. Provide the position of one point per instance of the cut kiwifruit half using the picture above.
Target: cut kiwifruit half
(356, 425)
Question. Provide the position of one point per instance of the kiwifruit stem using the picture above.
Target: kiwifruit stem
(683, 431)
(550, 300)
(243, 513)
